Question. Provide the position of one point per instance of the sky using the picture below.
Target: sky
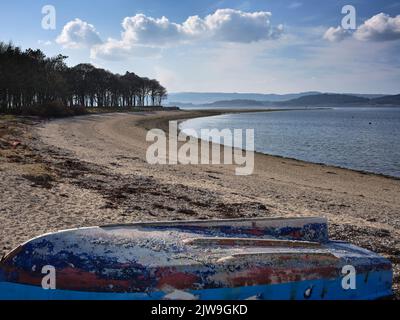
(260, 46)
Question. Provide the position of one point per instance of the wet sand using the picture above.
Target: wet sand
(92, 170)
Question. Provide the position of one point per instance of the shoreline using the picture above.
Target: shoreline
(212, 113)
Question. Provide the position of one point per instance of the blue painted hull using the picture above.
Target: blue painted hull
(267, 259)
(378, 286)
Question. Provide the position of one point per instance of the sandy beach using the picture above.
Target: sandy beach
(92, 170)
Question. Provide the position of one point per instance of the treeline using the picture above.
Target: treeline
(29, 79)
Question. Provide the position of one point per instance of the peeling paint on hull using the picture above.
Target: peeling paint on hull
(266, 259)
(378, 287)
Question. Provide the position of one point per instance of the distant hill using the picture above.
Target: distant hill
(200, 98)
(237, 103)
(369, 96)
(326, 99)
(392, 100)
(210, 97)
(320, 99)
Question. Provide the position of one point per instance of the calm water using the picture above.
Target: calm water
(365, 139)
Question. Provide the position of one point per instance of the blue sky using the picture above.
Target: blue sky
(232, 46)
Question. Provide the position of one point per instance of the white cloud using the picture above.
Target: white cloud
(295, 5)
(336, 34)
(224, 25)
(380, 27)
(147, 30)
(238, 26)
(78, 34)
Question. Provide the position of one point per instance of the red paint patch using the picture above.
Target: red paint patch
(178, 280)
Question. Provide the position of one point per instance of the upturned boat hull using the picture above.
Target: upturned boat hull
(263, 259)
